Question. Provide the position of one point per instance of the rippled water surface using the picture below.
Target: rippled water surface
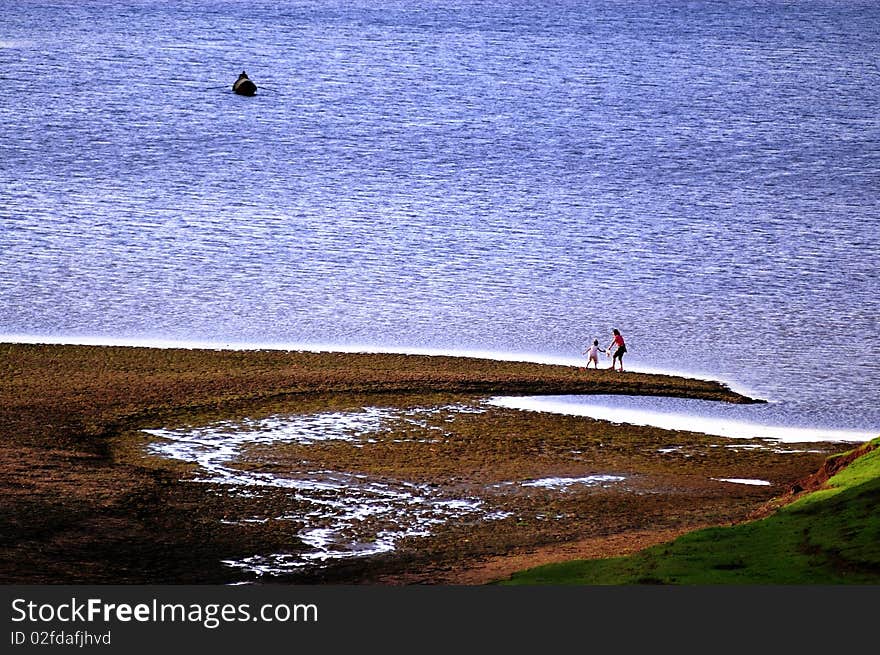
(510, 176)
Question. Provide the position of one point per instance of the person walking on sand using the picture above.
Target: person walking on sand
(592, 354)
(619, 348)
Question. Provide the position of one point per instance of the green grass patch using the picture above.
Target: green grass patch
(830, 536)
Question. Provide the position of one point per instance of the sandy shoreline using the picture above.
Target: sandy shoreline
(86, 502)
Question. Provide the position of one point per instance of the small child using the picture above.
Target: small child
(592, 354)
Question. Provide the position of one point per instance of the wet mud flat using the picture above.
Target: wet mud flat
(132, 465)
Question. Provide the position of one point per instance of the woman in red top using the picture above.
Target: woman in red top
(620, 346)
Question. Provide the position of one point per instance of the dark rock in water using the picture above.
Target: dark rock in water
(244, 86)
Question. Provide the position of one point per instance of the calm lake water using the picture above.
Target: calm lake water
(512, 177)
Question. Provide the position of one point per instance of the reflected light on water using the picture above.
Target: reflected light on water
(691, 421)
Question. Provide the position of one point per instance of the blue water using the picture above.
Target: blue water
(516, 177)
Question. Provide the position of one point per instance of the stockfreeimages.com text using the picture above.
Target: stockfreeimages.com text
(209, 615)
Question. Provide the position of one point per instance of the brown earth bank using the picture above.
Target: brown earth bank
(87, 499)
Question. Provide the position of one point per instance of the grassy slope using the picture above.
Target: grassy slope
(829, 536)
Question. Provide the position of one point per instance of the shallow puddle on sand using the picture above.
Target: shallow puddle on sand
(562, 484)
(347, 515)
